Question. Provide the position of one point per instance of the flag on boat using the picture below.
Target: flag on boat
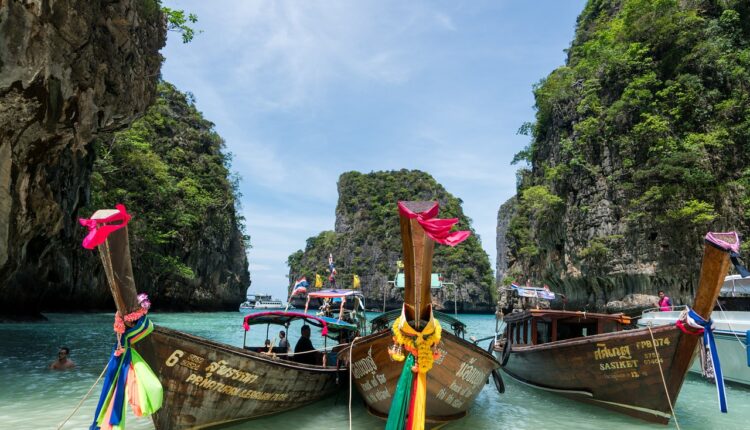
(542, 293)
(355, 282)
(300, 287)
(318, 281)
(332, 271)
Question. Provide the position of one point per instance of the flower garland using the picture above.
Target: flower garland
(422, 345)
(408, 407)
(119, 325)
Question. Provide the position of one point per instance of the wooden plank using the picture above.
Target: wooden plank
(115, 256)
(418, 250)
(410, 300)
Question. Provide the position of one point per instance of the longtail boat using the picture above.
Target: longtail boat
(204, 383)
(413, 372)
(596, 358)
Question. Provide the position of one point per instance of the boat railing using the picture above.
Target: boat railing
(679, 308)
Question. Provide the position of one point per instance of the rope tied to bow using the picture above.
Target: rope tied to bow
(693, 324)
(128, 378)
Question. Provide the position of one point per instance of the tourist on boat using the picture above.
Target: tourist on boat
(283, 341)
(62, 362)
(665, 303)
(303, 349)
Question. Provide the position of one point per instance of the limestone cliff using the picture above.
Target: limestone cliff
(638, 149)
(69, 71)
(171, 170)
(504, 215)
(367, 242)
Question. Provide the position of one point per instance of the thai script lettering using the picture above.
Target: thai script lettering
(221, 369)
(364, 366)
(192, 362)
(621, 352)
(471, 374)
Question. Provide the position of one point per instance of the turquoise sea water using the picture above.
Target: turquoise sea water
(33, 397)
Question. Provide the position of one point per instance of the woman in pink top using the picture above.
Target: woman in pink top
(665, 304)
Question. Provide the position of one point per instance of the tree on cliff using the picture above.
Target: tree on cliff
(367, 239)
(640, 143)
(170, 169)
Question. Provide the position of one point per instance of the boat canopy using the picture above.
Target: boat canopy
(339, 294)
(436, 281)
(329, 325)
(385, 319)
(542, 293)
(330, 294)
(735, 286)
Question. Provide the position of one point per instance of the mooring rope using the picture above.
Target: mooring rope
(83, 399)
(744, 345)
(351, 348)
(661, 372)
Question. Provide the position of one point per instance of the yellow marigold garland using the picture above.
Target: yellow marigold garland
(421, 344)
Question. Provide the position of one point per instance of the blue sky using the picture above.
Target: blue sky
(303, 91)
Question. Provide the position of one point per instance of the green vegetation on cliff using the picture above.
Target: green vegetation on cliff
(640, 143)
(367, 240)
(170, 170)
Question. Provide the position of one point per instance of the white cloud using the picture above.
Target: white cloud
(286, 53)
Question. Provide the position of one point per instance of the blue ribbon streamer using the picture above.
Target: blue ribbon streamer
(742, 270)
(708, 340)
(117, 370)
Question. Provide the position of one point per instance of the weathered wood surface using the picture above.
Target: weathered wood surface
(620, 370)
(418, 249)
(453, 383)
(115, 256)
(207, 383)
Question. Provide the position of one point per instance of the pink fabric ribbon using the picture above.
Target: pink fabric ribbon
(99, 229)
(436, 229)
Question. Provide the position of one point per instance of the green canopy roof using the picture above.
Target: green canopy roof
(435, 282)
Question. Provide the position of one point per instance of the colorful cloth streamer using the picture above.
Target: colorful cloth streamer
(436, 229)
(128, 378)
(696, 321)
(422, 351)
(401, 397)
(99, 229)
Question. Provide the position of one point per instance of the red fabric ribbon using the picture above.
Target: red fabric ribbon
(436, 229)
(99, 229)
(689, 330)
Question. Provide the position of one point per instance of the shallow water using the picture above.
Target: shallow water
(33, 397)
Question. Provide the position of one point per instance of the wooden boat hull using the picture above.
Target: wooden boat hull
(453, 383)
(208, 383)
(618, 370)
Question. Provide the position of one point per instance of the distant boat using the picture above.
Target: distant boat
(596, 358)
(206, 383)
(735, 294)
(261, 301)
(731, 334)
